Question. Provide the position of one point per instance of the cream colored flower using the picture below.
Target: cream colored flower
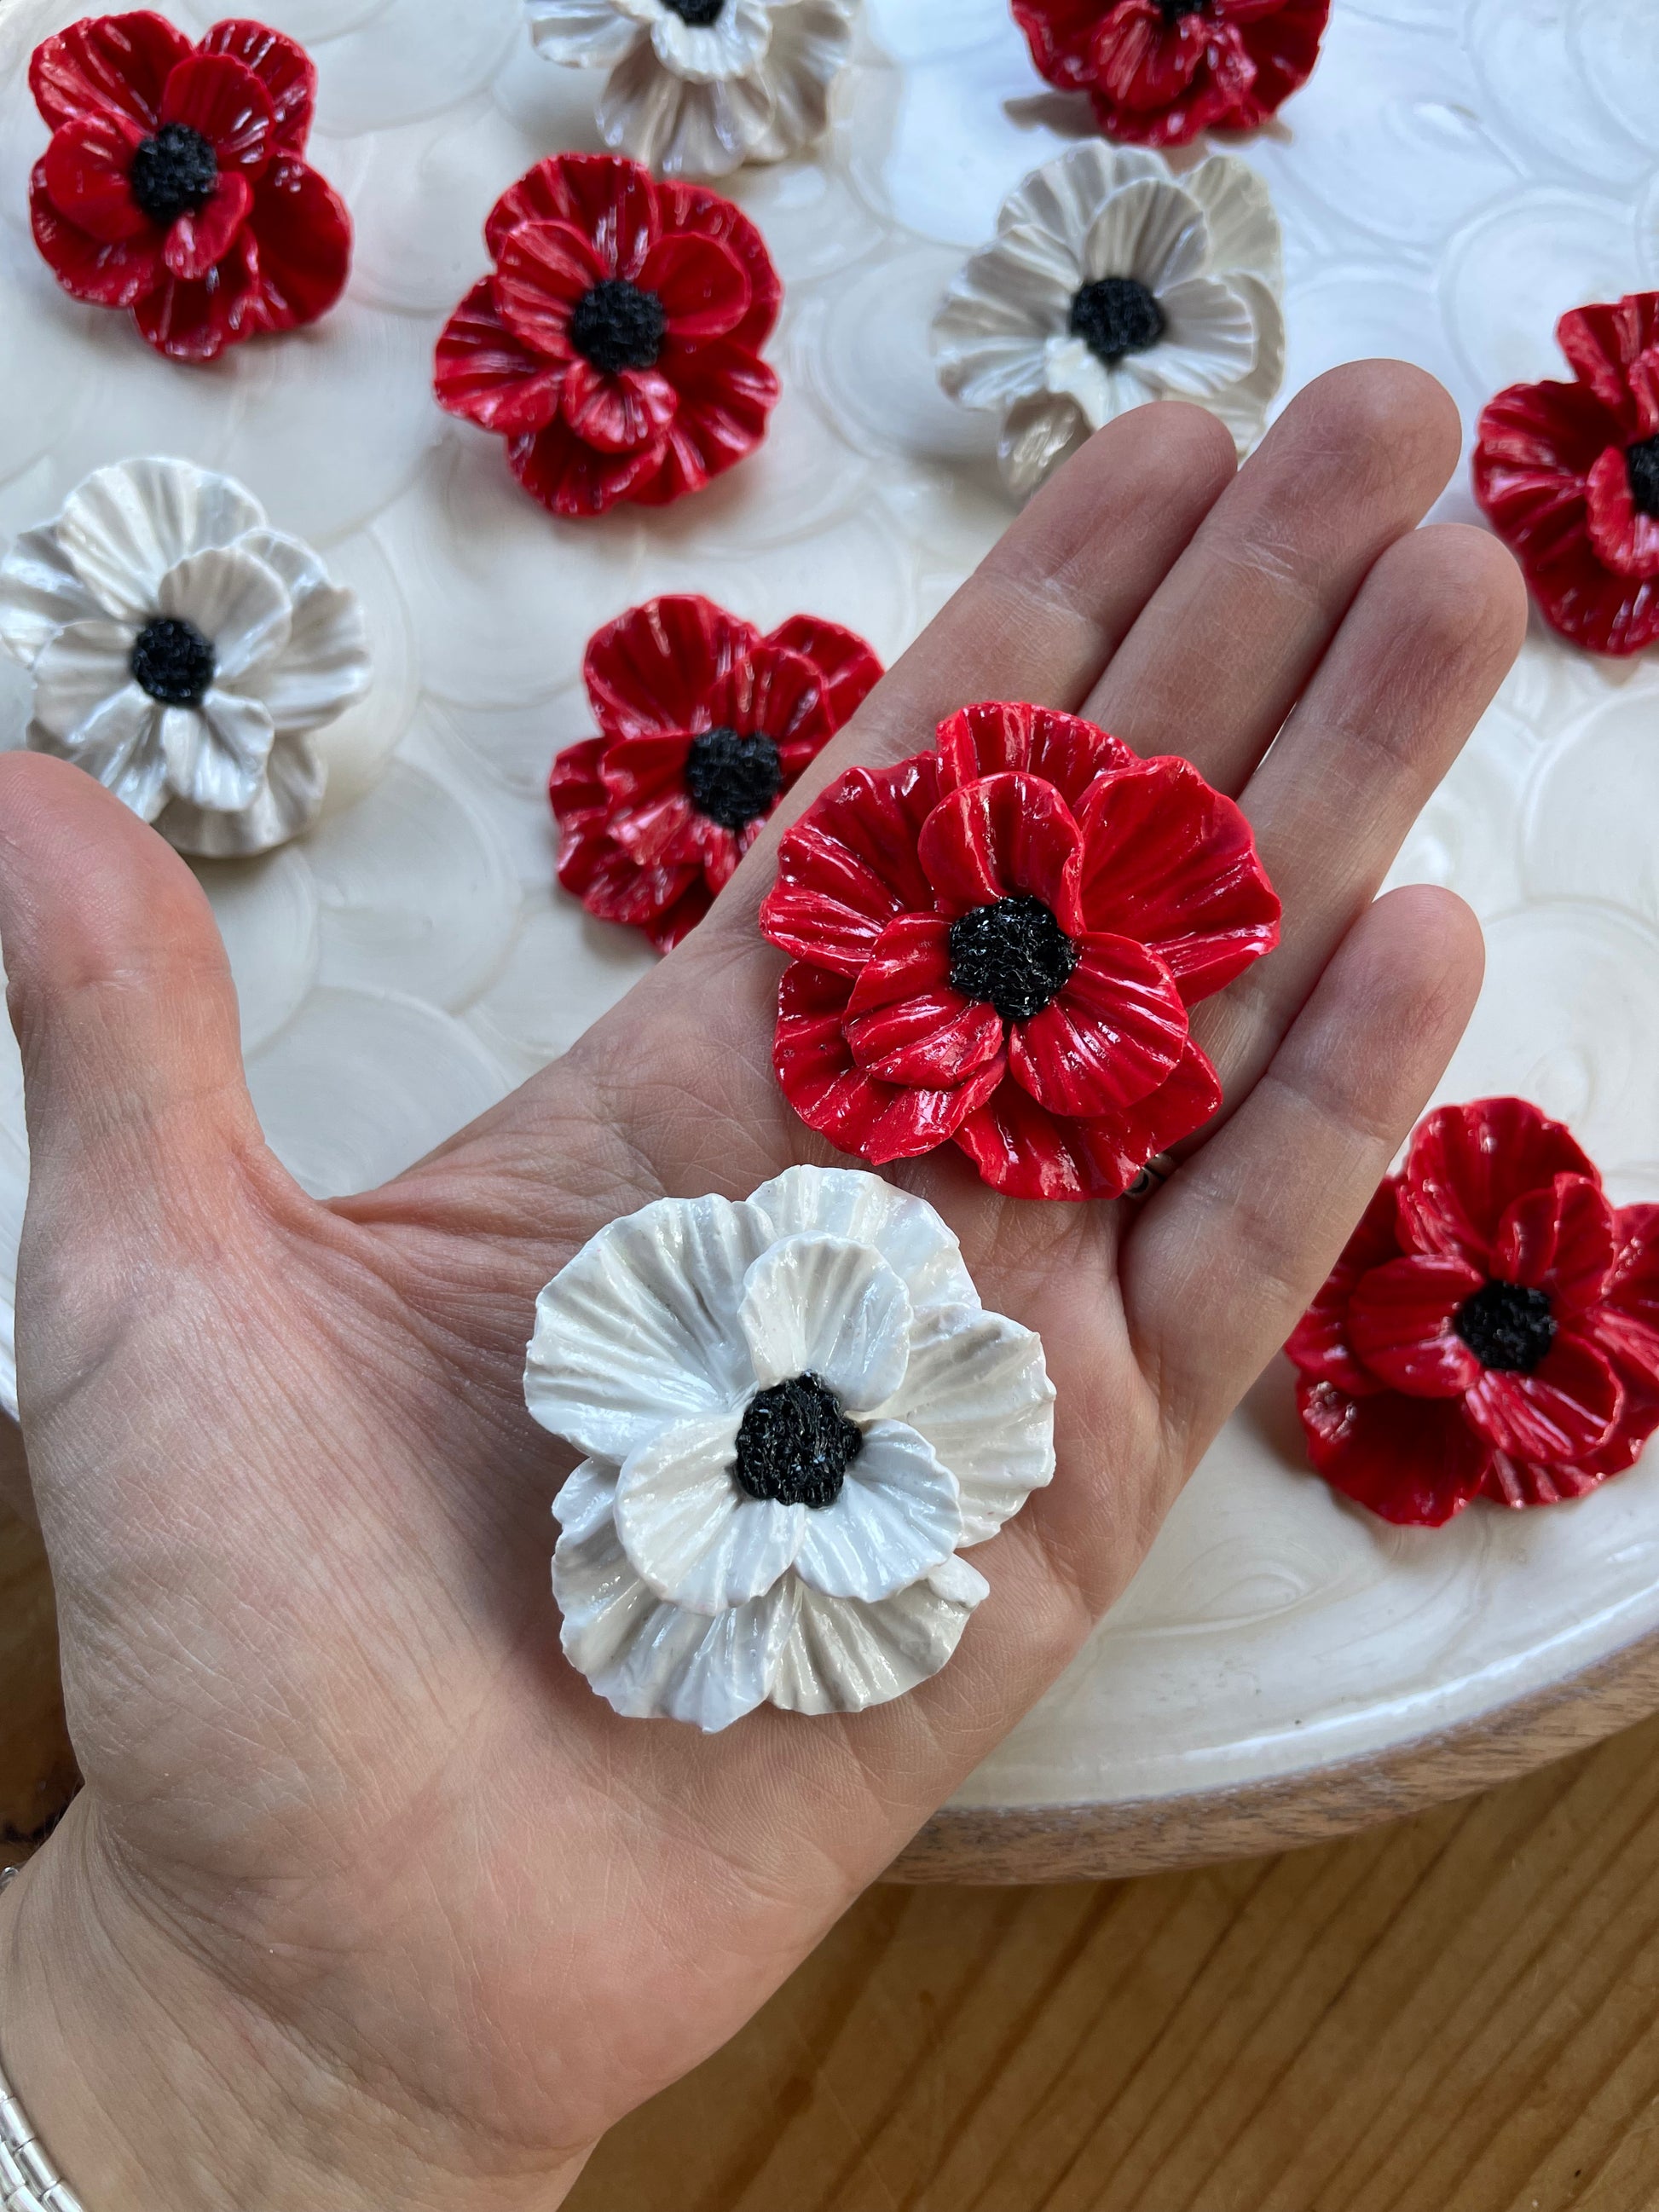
(183, 653)
(1112, 281)
(796, 1413)
(697, 88)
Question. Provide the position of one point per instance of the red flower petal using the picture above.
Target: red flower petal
(1319, 1343)
(282, 67)
(545, 269)
(227, 104)
(196, 242)
(1469, 1164)
(1622, 538)
(115, 64)
(726, 396)
(569, 477)
(613, 203)
(654, 668)
(195, 320)
(1561, 1240)
(1157, 80)
(85, 168)
(703, 286)
(1001, 836)
(1412, 1460)
(574, 787)
(775, 693)
(1116, 1031)
(639, 772)
(879, 1122)
(695, 208)
(670, 832)
(904, 1022)
(677, 922)
(596, 869)
(618, 414)
(1628, 1321)
(481, 371)
(303, 233)
(1171, 862)
(110, 273)
(1399, 1325)
(1614, 351)
(848, 667)
(1062, 36)
(1063, 749)
(849, 864)
(1563, 1410)
(1144, 58)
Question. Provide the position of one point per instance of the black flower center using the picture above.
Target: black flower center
(1506, 1326)
(1642, 466)
(1117, 315)
(1173, 10)
(1013, 954)
(617, 326)
(733, 779)
(795, 1444)
(173, 661)
(698, 14)
(173, 173)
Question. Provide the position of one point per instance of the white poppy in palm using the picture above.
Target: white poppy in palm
(697, 88)
(1112, 281)
(184, 653)
(796, 1414)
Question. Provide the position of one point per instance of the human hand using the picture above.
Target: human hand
(368, 1899)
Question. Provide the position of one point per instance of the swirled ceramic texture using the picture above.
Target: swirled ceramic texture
(1454, 175)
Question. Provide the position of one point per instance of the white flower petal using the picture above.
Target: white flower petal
(288, 800)
(811, 44)
(1037, 435)
(843, 1656)
(978, 1388)
(125, 526)
(679, 128)
(586, 1500)
(641, 1329)
(1063, 198)
(697, 1539)
(237, 602)
(40, 593)
(733, 46)
(915, 1243)
(324, 666)
(1071, 372)
(580, 34)
(825, 1306)
(1208, 342)
(999, 313)
(86, 663)
(215, 753)
(898, 1514)
(1152, 231)
(302, 568)
(119, 742)
(1244, 233)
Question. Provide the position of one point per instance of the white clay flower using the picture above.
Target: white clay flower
(1111, 282)
(699, 87)
(796, 1413)
(183, 653)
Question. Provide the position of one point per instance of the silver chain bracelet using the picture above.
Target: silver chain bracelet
(28, 2180)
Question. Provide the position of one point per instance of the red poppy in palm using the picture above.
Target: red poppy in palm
(617, 345)
(1569, 474)
(1159, 71)
(706, 724)
(1492, 1328)
(174, 184)
(997, 944)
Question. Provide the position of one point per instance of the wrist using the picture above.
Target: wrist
(149, 2079)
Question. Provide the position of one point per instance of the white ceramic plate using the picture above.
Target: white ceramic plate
(1457, 173)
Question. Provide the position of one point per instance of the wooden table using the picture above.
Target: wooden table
(1458, 2013)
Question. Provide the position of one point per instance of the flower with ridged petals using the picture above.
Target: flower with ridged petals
(997, 946)
(795, 1413)
(173, 184)
(1159, 71)
(705, 723)
(616, 344)
(1492, 1328)
(1568, 477)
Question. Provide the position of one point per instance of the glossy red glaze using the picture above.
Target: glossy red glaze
(1400, 1411)
(1158, 76)
(1152, 878)
(269, 249)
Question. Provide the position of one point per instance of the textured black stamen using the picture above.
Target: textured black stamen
(173, 661)
(173, 173)
(795, 1444)
(698, 14)
(1117, 315)
(1642, 466)
(733, 779)
(617, 326)
(1506, 1326)
(1173, 10)
(1013, 955)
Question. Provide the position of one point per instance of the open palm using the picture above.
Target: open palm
(369, 1898)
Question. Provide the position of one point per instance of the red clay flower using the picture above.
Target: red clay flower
(173, 185)
(617, 345)
(706, 724)
(1159, 71)
(1492, 1327)
(997, 946)
(1569, 475)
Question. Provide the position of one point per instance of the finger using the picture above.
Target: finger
(1222, 1264)
(1225, 645)
(1434, 630)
